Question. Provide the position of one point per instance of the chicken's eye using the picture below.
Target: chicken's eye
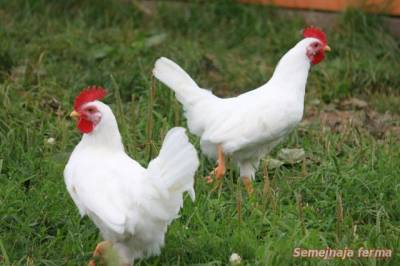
(90, 110)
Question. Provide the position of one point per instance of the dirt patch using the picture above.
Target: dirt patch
(353, 112)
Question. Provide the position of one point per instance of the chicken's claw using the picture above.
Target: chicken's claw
(248, 185)
(99, 252)
(219, 171)
(209, 179)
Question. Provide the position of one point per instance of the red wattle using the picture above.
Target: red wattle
(85, 126)
(318, 58)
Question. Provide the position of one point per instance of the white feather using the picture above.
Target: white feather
(131, 205)
(250, 125)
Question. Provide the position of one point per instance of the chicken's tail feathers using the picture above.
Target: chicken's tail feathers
(173, 76)
(176, 164)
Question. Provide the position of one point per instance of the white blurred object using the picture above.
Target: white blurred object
(235, 259)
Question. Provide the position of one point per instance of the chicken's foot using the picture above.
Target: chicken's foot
(248, 185)
(219, 171)
(99, 252)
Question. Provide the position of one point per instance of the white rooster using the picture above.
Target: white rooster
(248, 126)
(131, 205)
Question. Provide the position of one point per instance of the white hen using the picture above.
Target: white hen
(131, 205)
(248, 126)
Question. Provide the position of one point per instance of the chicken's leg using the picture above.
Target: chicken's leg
(219, 171)
(99, 252)
(248, 185)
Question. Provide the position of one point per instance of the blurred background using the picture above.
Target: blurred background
(344, 191)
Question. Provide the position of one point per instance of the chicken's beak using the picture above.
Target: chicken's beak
(74, 114)
(327, 48)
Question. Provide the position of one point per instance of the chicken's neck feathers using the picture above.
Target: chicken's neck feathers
(291, 73)
(105, 135)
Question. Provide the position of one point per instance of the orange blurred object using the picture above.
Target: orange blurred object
(391, 7)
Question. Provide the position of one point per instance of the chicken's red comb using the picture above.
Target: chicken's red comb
(313, 32)
(89, 94)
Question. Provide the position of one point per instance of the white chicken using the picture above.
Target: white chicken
(248, 126)
(131, 205)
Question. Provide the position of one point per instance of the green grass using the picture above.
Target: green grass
(50, 50)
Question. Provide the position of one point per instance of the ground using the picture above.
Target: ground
(344, 193)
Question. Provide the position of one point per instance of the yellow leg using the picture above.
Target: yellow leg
(219, 171)
(248, 185)
(99, 252)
